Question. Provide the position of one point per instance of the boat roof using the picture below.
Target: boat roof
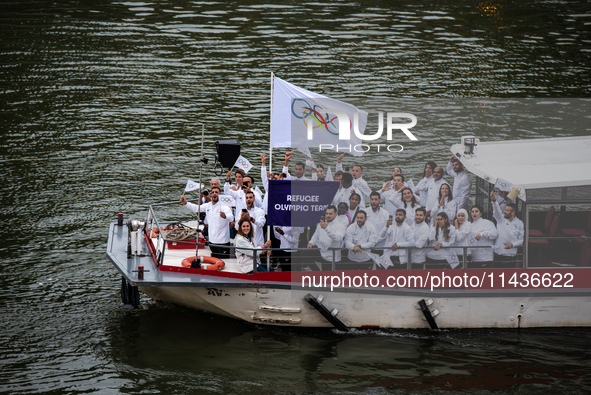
(531, 164)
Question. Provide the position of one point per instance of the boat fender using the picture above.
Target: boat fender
(326, 313)
(207, 262)
(130, 295)
(428, 314)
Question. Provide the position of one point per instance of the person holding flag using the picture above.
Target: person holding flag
(358, 182)
(238, 194)
(218, 218)
(266, 175)
(253, 214)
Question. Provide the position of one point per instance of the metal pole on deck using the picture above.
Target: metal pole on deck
(197, 262)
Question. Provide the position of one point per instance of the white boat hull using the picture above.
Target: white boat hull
(357, 310)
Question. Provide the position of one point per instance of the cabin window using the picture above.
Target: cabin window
(575, 194)
(557, 234)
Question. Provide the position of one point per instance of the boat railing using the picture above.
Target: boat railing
(462, 258)
(153, 228)
(299, 254)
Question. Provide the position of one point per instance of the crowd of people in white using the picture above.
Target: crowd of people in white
(364, 226)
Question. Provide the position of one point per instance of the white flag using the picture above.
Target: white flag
(384, 260)
(227, 200)
(310, 163)
(243, 163)
(324, 241)
(452, 259)
(192, 186)
(328, 175)
(302, 118)
(258, 193)
(305, 151)
(503, 185)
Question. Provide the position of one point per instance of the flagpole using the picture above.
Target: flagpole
(270, 124)
(270, 152)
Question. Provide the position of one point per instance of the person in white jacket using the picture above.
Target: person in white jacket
(433, 190)
(288, 238)
(398, 236)
(462, 182)
(218, 218)
(246, 249)
(463, 228)
(265, 176)
(256, 216)
(510, 230)
(358, 182)
(377, 216)
(360, 238)
(328, 237)
(445, 202)
(391, 193)
(482, 233)
(441, 235)
(409, 204)
(421, 236)
(343, 194)
(422, 187)
(238, 193)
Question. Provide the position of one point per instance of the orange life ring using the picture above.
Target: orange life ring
(207, 262)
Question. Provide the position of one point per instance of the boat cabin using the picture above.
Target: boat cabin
(552, 180)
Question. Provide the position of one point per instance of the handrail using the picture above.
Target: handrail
(159, 256)
(581, 237)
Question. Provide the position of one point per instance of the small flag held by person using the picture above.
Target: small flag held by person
(258, 193)
(305, 151)
(193, 186)
(227, 200)
(384, 260)
(453, 260)
(503, 185)
(243, 163)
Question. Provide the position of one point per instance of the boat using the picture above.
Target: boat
(547, 284)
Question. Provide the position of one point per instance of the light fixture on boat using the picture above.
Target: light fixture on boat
(469, 142)
(135, 224)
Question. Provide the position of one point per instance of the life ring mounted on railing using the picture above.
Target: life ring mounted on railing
(207, 262)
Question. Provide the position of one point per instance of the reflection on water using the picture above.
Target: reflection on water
(227, 353)
(102, 106)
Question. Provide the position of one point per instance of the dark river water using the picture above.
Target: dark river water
(102, 108)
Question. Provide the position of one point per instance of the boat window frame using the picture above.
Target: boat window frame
(560, 207)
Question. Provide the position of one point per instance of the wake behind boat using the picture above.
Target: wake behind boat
(545, 283)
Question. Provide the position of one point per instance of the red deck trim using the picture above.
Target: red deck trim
(284, 277)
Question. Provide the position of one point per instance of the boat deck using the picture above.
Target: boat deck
(171, 272)
(174, 257)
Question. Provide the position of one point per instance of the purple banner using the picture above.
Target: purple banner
(298, 202)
